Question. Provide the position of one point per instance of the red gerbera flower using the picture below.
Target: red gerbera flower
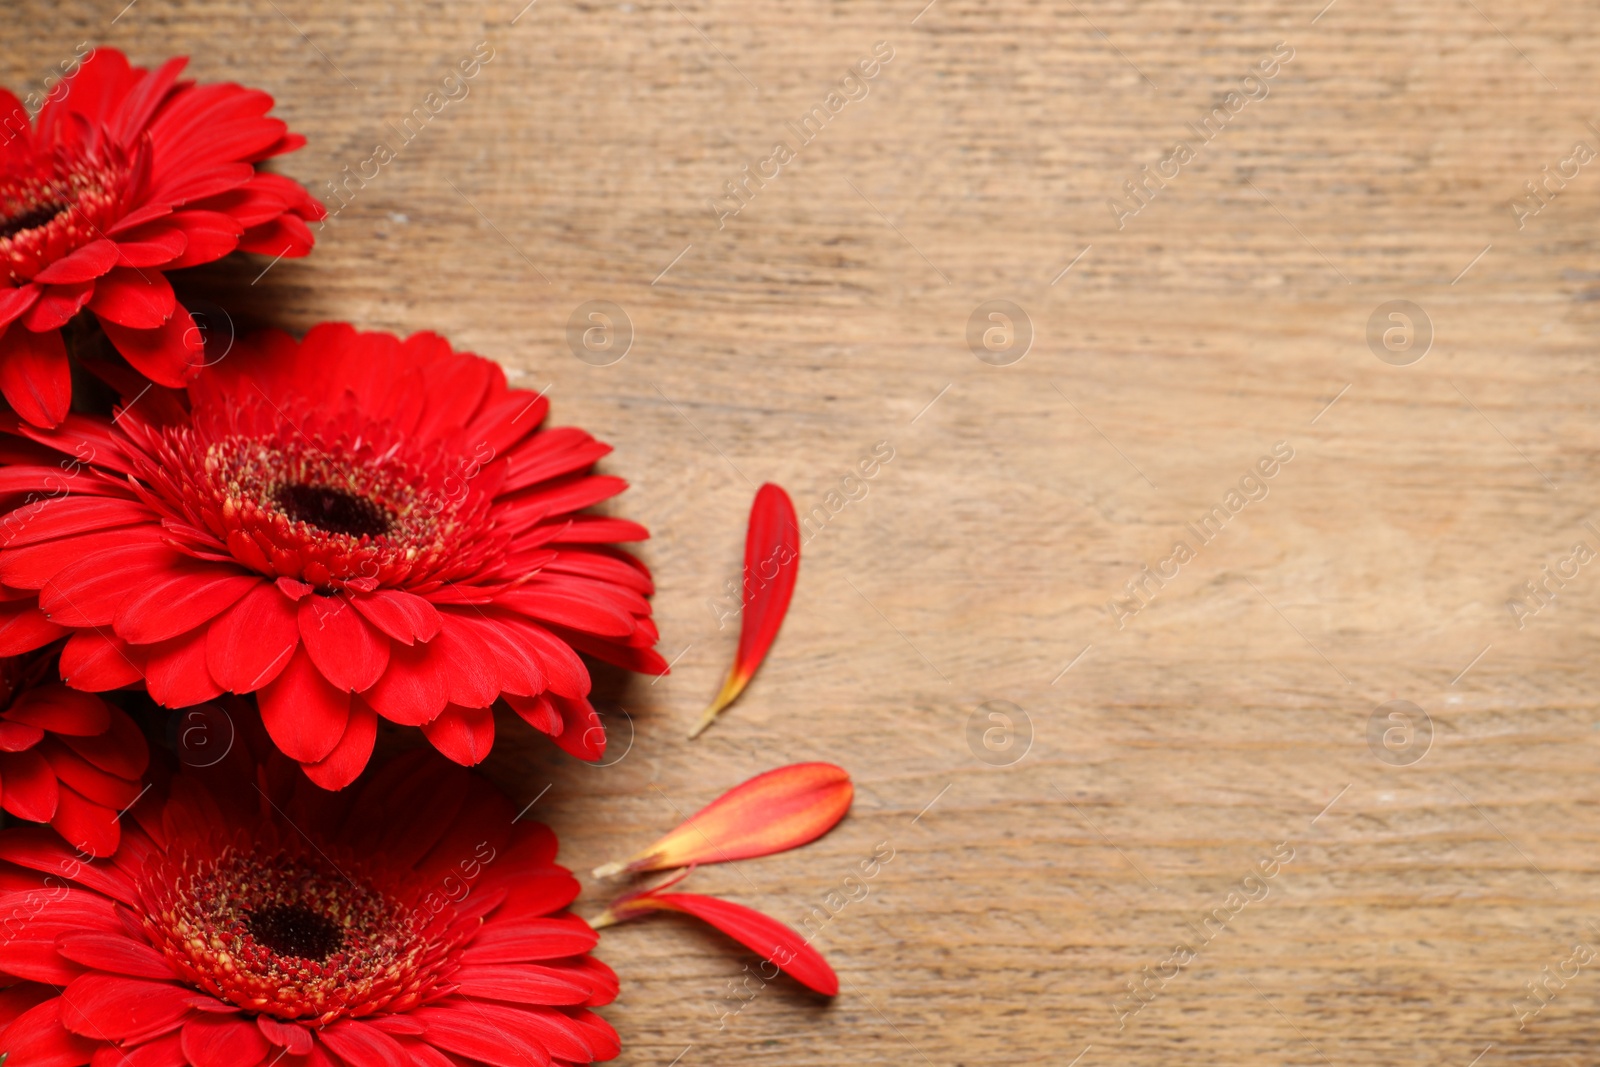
(353, 525)
(254, 919)
(66, 758)
(126, 174)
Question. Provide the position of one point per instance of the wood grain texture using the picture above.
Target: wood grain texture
(1223, 318)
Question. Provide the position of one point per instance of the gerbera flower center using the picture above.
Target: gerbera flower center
(54, 206)
(295, 936)
(29, 218)
(333, 510)
(333, 501)
(295, 930)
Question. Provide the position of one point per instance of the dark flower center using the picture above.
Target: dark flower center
(295, 930)
(333, 510)
(30, 219)
(294, 936)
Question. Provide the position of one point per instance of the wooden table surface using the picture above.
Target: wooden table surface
(1165, 751)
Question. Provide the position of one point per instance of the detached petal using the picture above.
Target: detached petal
(772, 812)
(771, 563)
(775, 942)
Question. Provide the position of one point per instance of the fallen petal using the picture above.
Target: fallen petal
(772, 812)
(771, 563)
(773, 941)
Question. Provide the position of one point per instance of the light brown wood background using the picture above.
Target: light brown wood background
(1226, 317)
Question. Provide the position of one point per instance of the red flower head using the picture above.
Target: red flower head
(128, 173)
(253, 919)
(66, 758)
(354, 526)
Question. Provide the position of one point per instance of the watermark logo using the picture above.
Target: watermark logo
(608, 730)
(999, 733)
(202, 735)
(212, 331)
(999, 333)
(1399, 333)
(1399, 733)
(599, 333)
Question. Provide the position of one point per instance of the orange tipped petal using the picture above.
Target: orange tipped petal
(772, 812)
(774, 942)
(771, 562)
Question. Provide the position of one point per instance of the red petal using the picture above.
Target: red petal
(28, 787)
(455, 1029)
(37, 849)
(397, 1025)
(166, 1051)
(175, 671)
(563, 450)
(472, 677)
(23, 628)
(538, 712)
(530, 940)
(57, 304)
(424, 1054)
(86, 593)
(138, 107)
(62, 711)
(114, 953)
(558, 1034)
(602, 1038)
(13, 302)
(361, 1045)
(771, 563)
(349, 757)
(168, 355)
(36, 1038)
(414, 689)
(59, 516)
(96, 662)
(183, 598)
(775, 942)
(564, 671)
(286, 235)
(96, 785)
(557, 607)
(251, 643)
(291, 1036)
(223, 1041)
(110, 1007)
(349, 652)
(86, 264)
(772, 812)
(210, 235)
(463, 734)
(151, 246)
(121, 750)
(403, 616)
(34, 375)
(85, 825)
(520, 984)
(582, 734)
(140, 300)
(520, 670)
(16, 737)
(305, 715)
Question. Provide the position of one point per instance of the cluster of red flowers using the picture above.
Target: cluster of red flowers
(319, 534)
(307, 538)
